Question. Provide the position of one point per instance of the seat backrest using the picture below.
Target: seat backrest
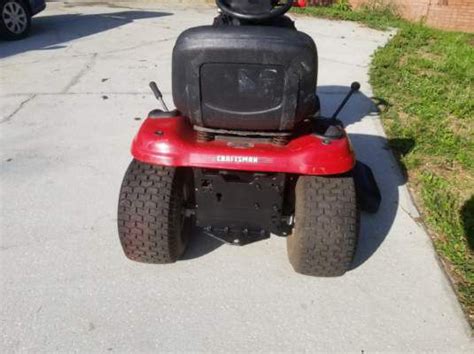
(256, 78)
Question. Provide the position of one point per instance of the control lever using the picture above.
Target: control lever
(158, 95)
(355, 87)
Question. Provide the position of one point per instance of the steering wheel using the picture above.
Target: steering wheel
(278, 10)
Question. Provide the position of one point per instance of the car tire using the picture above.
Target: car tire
(152, 215)
(326, 231)
(15, 19)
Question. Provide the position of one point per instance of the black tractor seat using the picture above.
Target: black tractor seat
(248, 78)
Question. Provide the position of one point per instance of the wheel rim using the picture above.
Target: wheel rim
(15, 17)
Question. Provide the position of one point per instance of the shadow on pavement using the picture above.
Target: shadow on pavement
(53, 32)
(373, 150)
(467, 215)
(200, 245)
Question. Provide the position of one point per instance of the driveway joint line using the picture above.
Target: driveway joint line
(81, 73)
(20, 106)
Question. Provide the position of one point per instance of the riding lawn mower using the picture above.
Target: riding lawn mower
(246, 153)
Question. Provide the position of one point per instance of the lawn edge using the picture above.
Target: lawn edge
(444, 263)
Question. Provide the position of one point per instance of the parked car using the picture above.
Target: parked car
(15, 19)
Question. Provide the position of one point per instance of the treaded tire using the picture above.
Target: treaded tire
(152, 224)
(5, 32)
(326, 230)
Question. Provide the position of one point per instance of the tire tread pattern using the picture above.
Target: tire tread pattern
(326, 230)
(149, 214)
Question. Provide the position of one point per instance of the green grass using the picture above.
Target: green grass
(427, 78)
(378, 18)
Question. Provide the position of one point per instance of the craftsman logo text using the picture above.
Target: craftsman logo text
(237, 159)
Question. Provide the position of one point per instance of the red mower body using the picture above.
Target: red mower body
(173, 142)
(246, 154)
(300, 3)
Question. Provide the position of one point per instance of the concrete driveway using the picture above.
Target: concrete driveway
(71, 96)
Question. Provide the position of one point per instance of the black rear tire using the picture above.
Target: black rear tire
(326, 230)
(17, 27)
(152, 221)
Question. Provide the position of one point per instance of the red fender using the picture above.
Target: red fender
(173, 142)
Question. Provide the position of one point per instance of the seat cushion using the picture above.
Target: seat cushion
(245, 77)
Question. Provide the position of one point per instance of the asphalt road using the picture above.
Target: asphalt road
(69, 97)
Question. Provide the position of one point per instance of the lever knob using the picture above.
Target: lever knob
(355, 86)
(156, 90)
